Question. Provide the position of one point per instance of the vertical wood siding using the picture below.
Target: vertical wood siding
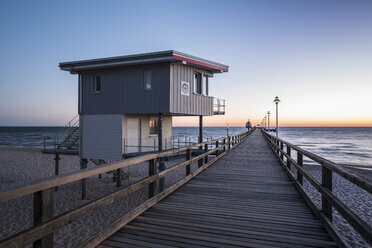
(122, 91)
(194, 104)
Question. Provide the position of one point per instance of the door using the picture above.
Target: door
(133, 140)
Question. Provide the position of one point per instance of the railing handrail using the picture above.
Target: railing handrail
(59, 180)
(329, 199)
(356, 179)
(51, 223)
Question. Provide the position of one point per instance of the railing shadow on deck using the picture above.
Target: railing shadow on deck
(41, 234)
(329, 199)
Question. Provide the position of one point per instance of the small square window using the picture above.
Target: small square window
(147, 80)
(97, 84)
(153, 127)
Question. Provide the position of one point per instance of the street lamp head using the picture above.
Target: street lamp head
(276, 100)
(268, 112)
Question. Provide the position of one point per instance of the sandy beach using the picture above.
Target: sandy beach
(357, 199)
(25, 165)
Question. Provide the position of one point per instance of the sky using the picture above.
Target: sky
(315, 55)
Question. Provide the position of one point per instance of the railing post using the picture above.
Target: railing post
(152, 171)
(56, 167)
(205, 151)
(281, 152)
(188, 157)
(83, 165)
(224, 143)
(217, 144)
(300, 163)
(118, 177)
(278, 146)
(327, 183)
(289, 154)
(229, 140)
(43, 212)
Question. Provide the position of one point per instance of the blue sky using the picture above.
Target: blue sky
(315, 55)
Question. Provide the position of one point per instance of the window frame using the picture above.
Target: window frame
(205, 90)
(145, 71)
(197, 88)
(97, 82)
(153, 130)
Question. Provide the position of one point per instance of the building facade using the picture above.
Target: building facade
(123, 99)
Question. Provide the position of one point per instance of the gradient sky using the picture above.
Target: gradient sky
(315, 55)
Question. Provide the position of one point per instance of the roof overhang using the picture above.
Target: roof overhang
(145, 58)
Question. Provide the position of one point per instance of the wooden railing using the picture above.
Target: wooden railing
(329, 199)
(41, 234)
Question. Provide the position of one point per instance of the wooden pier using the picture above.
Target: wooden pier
(246, 191)
(244, 200)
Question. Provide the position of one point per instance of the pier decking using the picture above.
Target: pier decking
(244, 200)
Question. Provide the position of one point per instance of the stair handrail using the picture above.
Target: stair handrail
(75, 124)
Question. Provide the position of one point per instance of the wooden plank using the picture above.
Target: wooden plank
(99, 237)
(230, 230)
(245, 199)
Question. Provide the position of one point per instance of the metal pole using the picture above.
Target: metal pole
(277, 130)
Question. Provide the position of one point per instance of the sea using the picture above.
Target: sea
(344, 145)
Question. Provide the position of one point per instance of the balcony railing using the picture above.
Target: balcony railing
(218, 106)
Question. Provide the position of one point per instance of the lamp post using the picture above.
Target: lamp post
(276, 100)
(265, 123)
(268, 120)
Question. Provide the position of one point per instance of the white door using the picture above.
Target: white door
(133, 140)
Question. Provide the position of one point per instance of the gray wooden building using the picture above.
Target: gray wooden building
(126, 103)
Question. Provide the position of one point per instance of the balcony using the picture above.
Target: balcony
(218, 106)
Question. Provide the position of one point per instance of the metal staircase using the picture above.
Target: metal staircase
(71, 135)
(70, 138)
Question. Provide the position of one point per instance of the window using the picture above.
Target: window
(205, 85)
(147, 79)
(153, 126)
(97, 84)
(197, 84)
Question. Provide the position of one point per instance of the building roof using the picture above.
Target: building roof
(144, 58)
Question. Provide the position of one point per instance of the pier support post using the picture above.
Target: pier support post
(56, 167)
(83, 165)
(160, 145)
(300, 163)
(327, 183)
(152, 171)
(289, 154)
(43, 212)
